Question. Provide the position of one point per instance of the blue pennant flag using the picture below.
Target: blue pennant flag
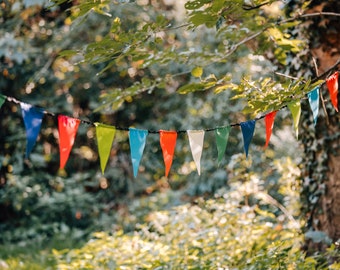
(313, 97)
(32, 118)
(247, 132)
(137, 143)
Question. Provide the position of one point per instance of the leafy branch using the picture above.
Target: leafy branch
(145, 49)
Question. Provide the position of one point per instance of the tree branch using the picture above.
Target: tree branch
(250, 7)
(327, 72)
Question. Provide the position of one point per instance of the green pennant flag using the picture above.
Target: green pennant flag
(295, 109)
(105, 135)
(2, 100)
(222, 135)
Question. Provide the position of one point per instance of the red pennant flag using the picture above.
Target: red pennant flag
(67, 132)
(332, 84)
(269, 120)
(168, 142)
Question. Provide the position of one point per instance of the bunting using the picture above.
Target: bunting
(222, 135)
(68, 128)
(196, 138)
(269, 121)
(295, 109)
(32, 119)
(105, 135)
(167, 141)
(332, 85)
(248, 133)
(137, 144)
(313, 98)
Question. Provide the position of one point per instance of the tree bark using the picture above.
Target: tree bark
(321, 144)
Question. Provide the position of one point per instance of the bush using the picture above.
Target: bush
(213, 234)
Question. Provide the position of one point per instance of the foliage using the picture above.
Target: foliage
(276, 96)
(150, 45)
(221, 232)
(80, 198)
(49, 58)
(67, 207)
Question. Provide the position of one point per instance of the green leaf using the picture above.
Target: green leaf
(193, 87)
(192, 5)
(200, 18)
(220, 22)
(227, 86)
(197, 72)
(67, 53)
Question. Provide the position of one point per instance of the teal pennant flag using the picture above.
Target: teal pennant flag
(313, 97)
(248, 129)
(137, 139)
(222, 135)
(32, 118)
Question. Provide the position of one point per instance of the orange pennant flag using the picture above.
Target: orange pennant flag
(332, 85)
(67, 132)
(168, 142)
(269, 120)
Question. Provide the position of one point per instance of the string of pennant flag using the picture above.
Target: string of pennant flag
(68, 126)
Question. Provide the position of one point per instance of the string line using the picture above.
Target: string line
(90, 123)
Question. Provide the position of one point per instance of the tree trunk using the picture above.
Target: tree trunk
(321, 144)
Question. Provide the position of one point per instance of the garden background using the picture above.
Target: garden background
(170, 65)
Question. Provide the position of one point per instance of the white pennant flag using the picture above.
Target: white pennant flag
(196, 138)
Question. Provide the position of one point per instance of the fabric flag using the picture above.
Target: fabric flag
(332, 85)
(68, 128)
(32, 118)
(295, 109)
(269, 121)
(196, 138)
(248, 129)
(2, 100)
(105, 135)
(137, 143)
(222, 135)
(313, 97)
(167, 140)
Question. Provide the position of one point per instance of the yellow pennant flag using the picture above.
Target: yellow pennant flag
(295, 109)
(105, 135)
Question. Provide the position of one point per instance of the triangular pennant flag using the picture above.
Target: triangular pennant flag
(2, 100)
(222, 135)
(137, 143)
(196, 138)
(248, 129)
(313, 97)
(333, 88)
(32, 118)
(167, 140)
(105, 135)
(295, 108)
(68, 128)
(269, 121)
